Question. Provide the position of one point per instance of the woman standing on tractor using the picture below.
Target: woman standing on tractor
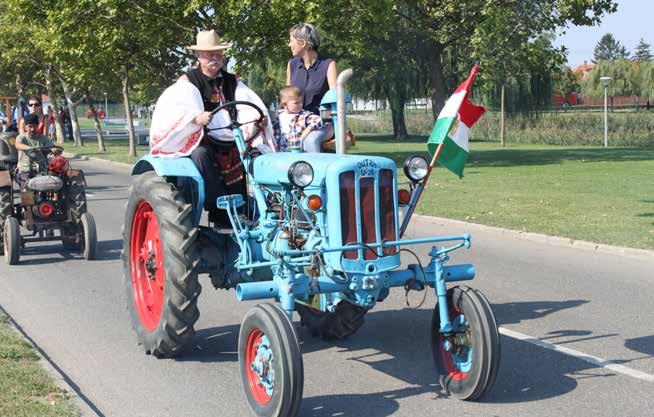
(313, 75)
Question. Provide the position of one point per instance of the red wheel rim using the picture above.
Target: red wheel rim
(256, 387)
(451, 368)
(147, 266)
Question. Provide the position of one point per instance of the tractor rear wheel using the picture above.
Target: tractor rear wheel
(11, 240)
(344, 322)
(160, 265)
(467, 361)
(270, 361)
(6, 208)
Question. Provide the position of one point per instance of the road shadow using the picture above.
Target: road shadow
(516, 312)
(215, 344)
(51, 253)
(109, 250)
(643, 344)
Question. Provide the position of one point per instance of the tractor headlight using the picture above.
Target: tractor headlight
(300, 174)
(416, 168)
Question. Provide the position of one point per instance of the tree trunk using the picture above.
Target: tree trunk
(128, 114)
(49, 85)
(96, 122)
(437, 89)
(72, 110)
(397, 103)
(502, 116)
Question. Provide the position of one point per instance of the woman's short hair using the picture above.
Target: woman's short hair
(308, 33)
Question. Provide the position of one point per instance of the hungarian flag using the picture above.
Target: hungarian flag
(453, 125)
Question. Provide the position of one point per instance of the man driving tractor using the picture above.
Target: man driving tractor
(185, 123)
(25, 143)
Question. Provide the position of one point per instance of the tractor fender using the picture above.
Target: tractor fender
(180, 168)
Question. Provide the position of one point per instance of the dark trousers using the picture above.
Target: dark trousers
(204, 158)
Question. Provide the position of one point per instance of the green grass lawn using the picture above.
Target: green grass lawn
(26, 389)
(589, 193)
(604, 195)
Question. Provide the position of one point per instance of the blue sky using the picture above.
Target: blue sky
(632, 21)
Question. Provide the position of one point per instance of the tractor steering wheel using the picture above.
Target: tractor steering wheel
(33, 152)
(236, 123)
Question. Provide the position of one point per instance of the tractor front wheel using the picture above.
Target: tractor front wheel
(160, 264)
(467, 359)
(90, 236)
(270, 361)
(11, 240)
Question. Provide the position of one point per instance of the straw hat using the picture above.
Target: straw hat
(208, 41)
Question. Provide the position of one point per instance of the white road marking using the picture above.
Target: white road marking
(579, 355)
(90, 195)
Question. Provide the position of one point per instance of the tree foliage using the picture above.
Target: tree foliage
(629, 79)
(609, 49)
(642, 51)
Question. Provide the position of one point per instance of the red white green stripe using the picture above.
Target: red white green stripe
(452, 127)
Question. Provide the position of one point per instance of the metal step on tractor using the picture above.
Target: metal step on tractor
(320, 234)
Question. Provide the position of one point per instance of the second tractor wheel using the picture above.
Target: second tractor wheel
(467, 359)
(90, 236)
(160, 265)
(11, 240)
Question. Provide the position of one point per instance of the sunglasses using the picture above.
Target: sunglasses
(34, 105)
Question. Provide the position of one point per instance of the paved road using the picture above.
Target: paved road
(595, 304)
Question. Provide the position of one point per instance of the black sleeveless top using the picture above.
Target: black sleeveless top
(224, 80)
(312, 81)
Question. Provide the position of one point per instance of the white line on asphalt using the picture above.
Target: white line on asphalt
(91, 195)
(579, 355)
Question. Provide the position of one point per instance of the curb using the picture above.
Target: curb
(540, 238)
(119, 165)
(530, 236)
(64, 383)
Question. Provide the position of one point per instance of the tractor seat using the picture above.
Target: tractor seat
(329, 146)
(45, 183)
(8, 152)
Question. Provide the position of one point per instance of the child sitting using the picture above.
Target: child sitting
(292, 124)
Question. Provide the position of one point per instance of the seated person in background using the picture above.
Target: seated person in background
(30, 139)
(292, 124)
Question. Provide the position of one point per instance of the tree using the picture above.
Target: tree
(642, 51)
(566, 82)
(608, 49)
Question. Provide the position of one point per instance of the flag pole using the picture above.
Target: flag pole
(416, 196)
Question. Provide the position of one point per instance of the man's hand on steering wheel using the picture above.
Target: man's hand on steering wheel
(203, 118)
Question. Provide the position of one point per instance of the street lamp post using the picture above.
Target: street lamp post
(106, 109)
(605, 82)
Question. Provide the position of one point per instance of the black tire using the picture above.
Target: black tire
(495, 346)
(474, 374)
(77, 197)
(11, 240)
(269, 321)
(173, 329)
(90, 236)
(6, 208)
(344, 322)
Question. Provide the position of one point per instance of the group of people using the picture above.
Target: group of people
(297, 123)
(46, 120)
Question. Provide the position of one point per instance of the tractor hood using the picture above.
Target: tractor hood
(272, 168)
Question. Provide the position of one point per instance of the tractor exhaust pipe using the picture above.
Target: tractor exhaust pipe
(342, 79)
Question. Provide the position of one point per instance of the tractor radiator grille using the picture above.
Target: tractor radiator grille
(363, 210)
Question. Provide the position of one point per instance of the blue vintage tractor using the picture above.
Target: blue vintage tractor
(319, 234)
